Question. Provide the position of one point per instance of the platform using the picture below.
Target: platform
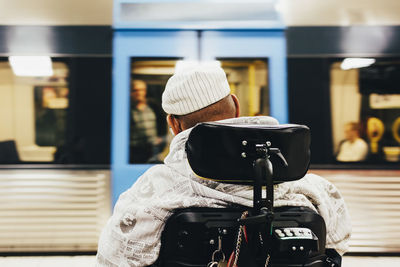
(85, 261)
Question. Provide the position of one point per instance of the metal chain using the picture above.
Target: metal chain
(267, 261)
(261, 239)
(239, 240)
(262, 243)
(238, 244)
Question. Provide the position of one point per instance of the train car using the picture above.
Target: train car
(342, 90)
(54, 137)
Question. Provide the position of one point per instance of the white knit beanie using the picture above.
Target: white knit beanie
(191, 90)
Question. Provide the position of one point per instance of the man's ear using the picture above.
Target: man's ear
(236, 101)
(174, 123)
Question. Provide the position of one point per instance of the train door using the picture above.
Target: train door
(146, 58)
(255, 64)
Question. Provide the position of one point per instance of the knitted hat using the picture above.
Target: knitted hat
(191, 90)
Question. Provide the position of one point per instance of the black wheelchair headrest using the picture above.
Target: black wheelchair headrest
(225, 152)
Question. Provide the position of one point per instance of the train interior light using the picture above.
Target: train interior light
(40, 66)
(356, 63)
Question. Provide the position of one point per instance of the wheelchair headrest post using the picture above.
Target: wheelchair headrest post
(263, 174)
(263, 170)
(263, 208)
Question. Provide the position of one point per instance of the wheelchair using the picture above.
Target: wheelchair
(261, 156)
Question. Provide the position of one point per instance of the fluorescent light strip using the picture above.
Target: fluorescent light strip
(38, 66)
(355, 63)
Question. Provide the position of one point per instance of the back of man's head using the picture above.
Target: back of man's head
(197, 95)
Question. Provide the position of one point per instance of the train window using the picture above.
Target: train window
(34, 104)
(365, 104)
(149, 135)
(248, 79)
(49, 109)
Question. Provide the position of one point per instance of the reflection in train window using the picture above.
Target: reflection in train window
(365, 101)
(148, 127)
(55, 110)
(149, 136)
(51, 103)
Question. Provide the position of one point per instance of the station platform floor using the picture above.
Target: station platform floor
(86, 261)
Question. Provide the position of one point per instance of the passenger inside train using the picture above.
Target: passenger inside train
(132, 234)
(353, 148)
(365, 97)
(148, 129)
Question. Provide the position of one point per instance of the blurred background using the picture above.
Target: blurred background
(75, 77)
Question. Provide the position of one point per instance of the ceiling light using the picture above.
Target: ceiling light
(38, 66)
(355, 63)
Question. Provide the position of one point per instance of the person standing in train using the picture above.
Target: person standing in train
(132, 236)
(147, 132)
(353, 148)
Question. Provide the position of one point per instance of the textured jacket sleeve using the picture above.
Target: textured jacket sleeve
(131, 236)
